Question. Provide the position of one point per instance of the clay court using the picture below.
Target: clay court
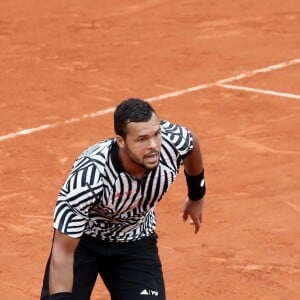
(228, 70)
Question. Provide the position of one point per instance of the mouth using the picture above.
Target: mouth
(152, 158)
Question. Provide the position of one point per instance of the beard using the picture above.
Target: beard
(141, 162)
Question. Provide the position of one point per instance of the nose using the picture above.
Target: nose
(153, 143)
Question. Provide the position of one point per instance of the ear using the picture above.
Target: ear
(120, 141)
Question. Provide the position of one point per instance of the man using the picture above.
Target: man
(104, 220)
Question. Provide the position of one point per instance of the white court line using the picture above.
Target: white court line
(156, 98)
(259, 91)
(262, 70)
(295, 207)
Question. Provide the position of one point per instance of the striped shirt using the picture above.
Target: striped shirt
(100, 199)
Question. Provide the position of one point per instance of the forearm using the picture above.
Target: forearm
(193, 163)
(62, 263)
(61, 272)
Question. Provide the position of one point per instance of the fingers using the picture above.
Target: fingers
(185, 216)
(197, 223)
(193, 209)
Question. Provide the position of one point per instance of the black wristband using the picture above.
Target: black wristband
(61, 296)
(196, 185)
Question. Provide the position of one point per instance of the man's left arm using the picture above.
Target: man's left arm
(194, 173)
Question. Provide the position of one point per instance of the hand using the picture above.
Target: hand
(194, 210)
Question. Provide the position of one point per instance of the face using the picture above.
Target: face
(141, 147)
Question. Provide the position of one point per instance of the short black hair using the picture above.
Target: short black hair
(131, 110)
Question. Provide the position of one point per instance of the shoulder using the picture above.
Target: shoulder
(96, 154)
(90, 164)
(98, 148)
(176, 135)
(172, 130)
(170, 127)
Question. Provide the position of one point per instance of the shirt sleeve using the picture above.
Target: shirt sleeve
(179, 136)
(75, 198)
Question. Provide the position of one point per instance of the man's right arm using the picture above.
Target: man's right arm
(61, 264)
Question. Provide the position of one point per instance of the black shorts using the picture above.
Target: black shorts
(130, 271)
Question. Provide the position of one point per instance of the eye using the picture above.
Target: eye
(141, 139)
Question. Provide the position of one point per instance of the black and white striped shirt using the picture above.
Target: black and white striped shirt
(99, 198)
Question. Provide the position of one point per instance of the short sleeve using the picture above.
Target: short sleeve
(75, 198)
(179, 136)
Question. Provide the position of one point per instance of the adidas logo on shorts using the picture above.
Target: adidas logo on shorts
(146, 292)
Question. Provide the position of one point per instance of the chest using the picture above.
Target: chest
(127, 194)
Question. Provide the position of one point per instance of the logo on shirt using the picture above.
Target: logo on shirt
(126, 194)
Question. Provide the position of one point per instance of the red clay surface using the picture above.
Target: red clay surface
(62, 59)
